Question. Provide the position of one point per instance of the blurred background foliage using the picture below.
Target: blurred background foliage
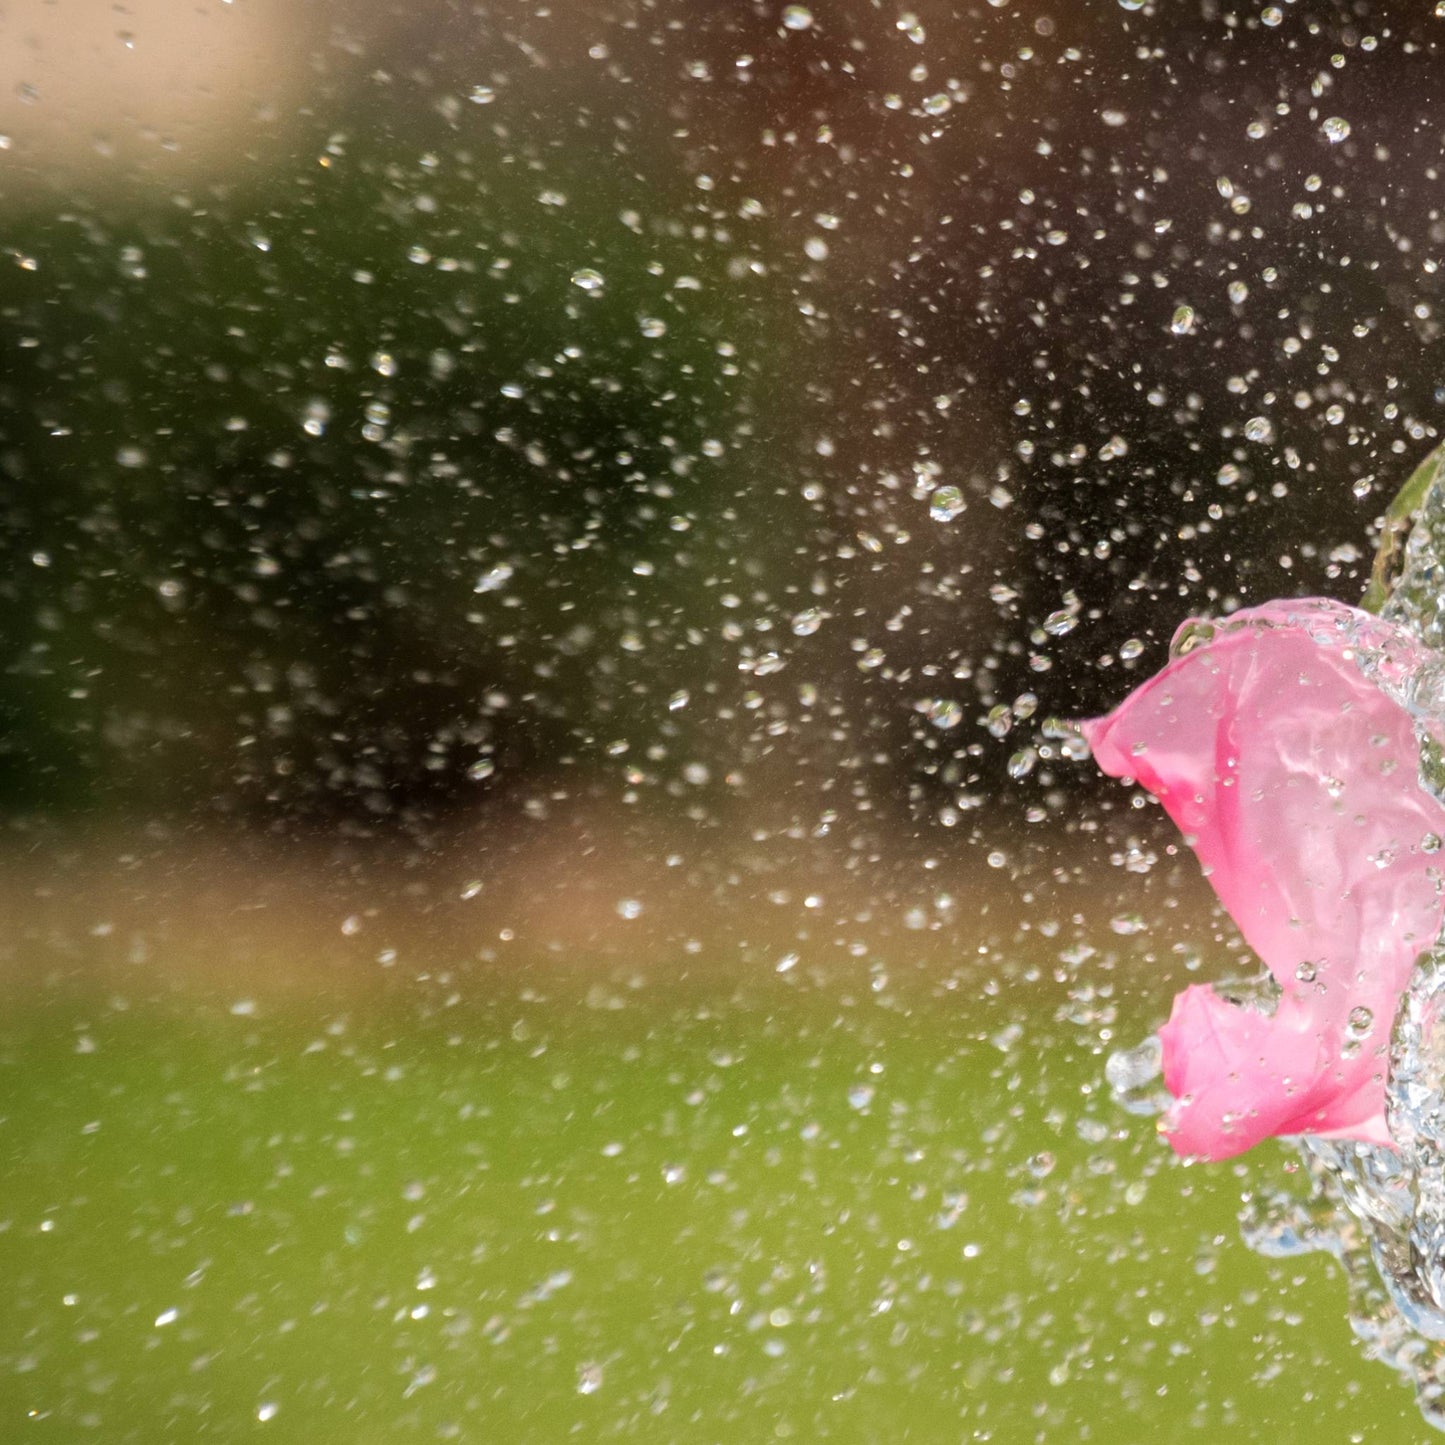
(476, 404)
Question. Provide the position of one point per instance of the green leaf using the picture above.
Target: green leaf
(1400, 517)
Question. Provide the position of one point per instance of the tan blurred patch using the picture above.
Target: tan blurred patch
(584, 896)
(144, 87)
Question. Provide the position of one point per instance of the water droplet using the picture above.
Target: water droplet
(1272, 15)
(652, 326)
(1021, 764)
(861, 1095)
(797, 17)
(1131, 4)
(1336, 129)
(944, 713)
(1238, 292)
(807, 622)
(946, 503)
(629, 908)
(1131, 649)
(937, 104)
(495, 578)
(481, 95)
(1361, 1020)
(1307, 972)
(1133, 1070)
(1259, 429)
(589, 1378)
(1431, 843)
(1183, 321)
(588, 279)
(481, 770)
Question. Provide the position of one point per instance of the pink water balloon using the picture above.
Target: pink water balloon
(1282, 750)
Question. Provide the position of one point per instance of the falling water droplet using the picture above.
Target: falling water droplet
(944, 713)
(945, 504)
(1336, 129)
(495, 578)
(588, 280)
(1183, 321)
(797, 17)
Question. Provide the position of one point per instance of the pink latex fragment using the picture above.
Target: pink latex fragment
(1295, 778)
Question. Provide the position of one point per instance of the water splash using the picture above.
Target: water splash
(1378, 1210)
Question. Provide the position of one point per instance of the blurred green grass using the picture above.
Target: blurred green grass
(658, 1196)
